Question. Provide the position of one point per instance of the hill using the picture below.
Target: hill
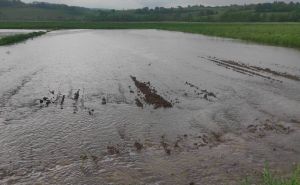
(16, 10)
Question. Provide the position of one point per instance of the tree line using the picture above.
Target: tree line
(262, 12)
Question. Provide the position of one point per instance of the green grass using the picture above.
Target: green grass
(270, 179)
(279, 34)
(19, 38)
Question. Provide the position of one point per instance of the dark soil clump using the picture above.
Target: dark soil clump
(138, 146)
(150, 95)
(112, 150)
(138, 103)
(104, 101)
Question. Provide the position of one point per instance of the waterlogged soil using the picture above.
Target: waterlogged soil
(146, 107)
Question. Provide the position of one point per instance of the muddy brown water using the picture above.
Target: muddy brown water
(224, 122)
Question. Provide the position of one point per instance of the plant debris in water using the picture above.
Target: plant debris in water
(112, 150)
(165, 146)
(150, 95)
(59, 99)
(202, 93)
(268, 125)
(138, 146)
(252, 70)
(138, 103)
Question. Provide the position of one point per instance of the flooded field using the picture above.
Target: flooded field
(146, 107)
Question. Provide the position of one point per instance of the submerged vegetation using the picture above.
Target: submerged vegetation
(19, 38)
(269, 178)
(283, 34)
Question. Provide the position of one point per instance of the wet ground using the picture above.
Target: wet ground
(146, 107)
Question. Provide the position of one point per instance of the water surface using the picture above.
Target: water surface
(212, 139)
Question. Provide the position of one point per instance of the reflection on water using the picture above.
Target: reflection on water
(91, 131)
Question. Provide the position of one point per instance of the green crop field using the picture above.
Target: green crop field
(279, 34)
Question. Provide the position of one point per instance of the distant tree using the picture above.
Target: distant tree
(277, 11)
(145, 9)
(5, 3)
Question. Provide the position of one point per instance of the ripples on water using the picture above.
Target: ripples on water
(207, 136)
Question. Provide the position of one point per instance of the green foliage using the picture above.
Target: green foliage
(15, 10)
(280, 34)
(270, 179)
(19, 38)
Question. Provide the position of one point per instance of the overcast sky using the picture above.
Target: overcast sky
(127, 4)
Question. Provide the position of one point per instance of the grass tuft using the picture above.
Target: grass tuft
(13, 39)
(270, 179)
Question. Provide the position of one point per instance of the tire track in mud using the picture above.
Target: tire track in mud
(6, 96)
(252, 70)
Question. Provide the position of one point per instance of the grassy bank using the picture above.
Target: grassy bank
(279, 34)
(19, 38)
(270, 179)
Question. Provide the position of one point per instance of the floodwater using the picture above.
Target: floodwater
(235, 106)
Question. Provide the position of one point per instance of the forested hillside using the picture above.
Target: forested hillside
(15, 10)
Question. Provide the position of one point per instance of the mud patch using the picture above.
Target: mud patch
(149, 95)
(138, 145)
(183, 143)
(262, 128)
(112, 150)
(190, 142)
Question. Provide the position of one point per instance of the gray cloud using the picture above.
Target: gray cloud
(127, 4)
